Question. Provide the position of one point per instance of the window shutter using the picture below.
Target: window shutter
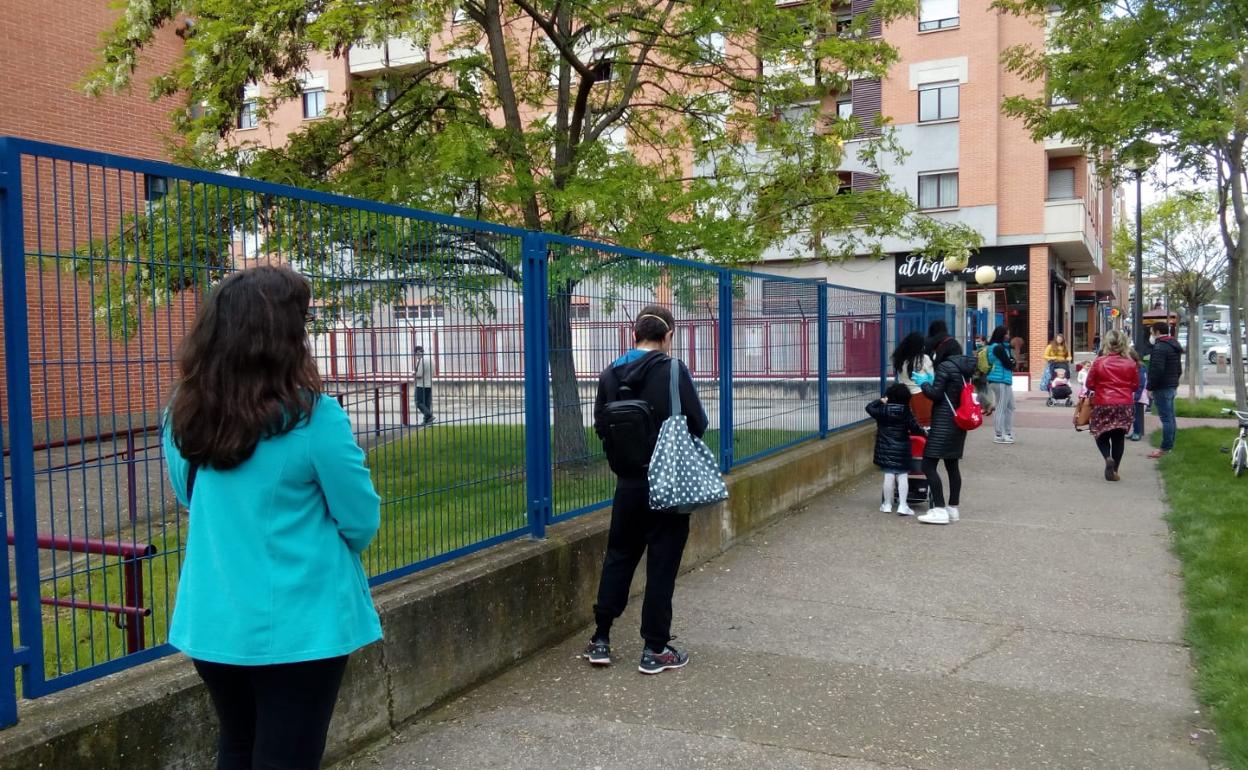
(1061, 183)
(864, 6)
(866, 99)
(861, 181)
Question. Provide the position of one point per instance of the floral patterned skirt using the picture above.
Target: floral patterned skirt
(1112, 417)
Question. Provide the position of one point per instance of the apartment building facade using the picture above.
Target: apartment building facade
(1043, 215)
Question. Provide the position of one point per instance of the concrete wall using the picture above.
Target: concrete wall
(446, 630)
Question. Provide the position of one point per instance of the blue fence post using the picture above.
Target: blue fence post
(883, 343)
(725, 372)
(537, 457)
(10, 227)
(823, 361)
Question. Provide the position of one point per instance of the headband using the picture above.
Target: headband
(655, 317)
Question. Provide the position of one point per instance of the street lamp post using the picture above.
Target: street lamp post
(1137, 307)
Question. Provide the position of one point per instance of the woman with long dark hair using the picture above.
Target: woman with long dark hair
(946, 440)
(914, 368)
(272, 597)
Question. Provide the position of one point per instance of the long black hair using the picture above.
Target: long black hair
(998, 335)
(909, 351)
(247, 371)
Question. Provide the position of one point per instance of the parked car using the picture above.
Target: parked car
(1224, 349)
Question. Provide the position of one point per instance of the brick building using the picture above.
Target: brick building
(1044, 217)
(79, 367)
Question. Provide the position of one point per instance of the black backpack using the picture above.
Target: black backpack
(629, 432)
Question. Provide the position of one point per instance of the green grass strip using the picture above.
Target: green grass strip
(1202, 407)
(1209, 518)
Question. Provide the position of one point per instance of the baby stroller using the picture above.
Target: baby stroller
(918, 493)
(1059, 394)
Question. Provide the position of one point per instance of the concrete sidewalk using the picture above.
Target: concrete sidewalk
(1042, 631)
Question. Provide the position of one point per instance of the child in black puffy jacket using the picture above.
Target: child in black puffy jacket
(895, 424)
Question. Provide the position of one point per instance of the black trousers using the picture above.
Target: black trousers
(424, 401)
(1112, 444)
(636, 527)
(937, 488)
(273, 717)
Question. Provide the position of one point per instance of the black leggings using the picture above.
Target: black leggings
(933, 481)
(273, 717)
(1112, 443)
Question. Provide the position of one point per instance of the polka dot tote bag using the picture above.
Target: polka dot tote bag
(683, 472)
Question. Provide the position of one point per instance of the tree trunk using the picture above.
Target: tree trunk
(571, 445)
(1237, 318)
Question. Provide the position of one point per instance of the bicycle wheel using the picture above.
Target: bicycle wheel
(1239, 458)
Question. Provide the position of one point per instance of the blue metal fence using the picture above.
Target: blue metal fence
(105, 259)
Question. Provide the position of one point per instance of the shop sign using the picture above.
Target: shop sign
(1010, 262)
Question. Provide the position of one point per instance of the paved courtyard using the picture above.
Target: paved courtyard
(1042, 631)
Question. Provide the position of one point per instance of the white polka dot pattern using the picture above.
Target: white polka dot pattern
(683, 472)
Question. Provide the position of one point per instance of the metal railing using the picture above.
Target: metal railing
(105, 260)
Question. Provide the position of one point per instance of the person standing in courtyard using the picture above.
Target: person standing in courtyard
(422, 374)
(1165, 369)
(914, 368)
(1113, 381)
(634, 399)
(945, 440)
(272, 597)
(1001, 383)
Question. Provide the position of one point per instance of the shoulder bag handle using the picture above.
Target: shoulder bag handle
(675, 385)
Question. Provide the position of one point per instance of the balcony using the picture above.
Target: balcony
(1061, 147)
(393, 53)
(1068, 230)
(804, 70)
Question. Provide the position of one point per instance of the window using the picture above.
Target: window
(603, 71)
(384, 95)
(844, 107)
(845, 183)
(248, 114)
(313, 103)
(937, 14)
(938, 101)
(844, 20)
(1061, 184)
(938, 191)
(154, 187)
(712, 47)
(421, 312)
(579, 311)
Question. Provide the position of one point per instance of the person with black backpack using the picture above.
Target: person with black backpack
(634, 398)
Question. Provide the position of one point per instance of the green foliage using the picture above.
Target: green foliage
(505, 121)
(1209, 520)
(1181, 244)
(1135, 78)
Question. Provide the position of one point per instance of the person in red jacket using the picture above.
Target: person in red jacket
(1113, 381)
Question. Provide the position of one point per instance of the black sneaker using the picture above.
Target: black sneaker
(428, 421)
(598, 653)
(658, 662)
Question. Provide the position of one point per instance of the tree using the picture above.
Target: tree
(1130, 78)
(518, 114)
(1183, 246)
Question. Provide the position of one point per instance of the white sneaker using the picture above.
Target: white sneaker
(934, 516)
(999, 440)
(1009, 439)
(952, 512)
(886, 508)
(904, 510)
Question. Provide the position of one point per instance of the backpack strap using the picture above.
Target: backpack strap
(674, 388)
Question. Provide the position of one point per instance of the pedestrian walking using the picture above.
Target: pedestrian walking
(272, 597)
(1113, 381)
(914, 368)
(894, 425)
(1165, 369)
(634, 399)
(945, 440)
(422, 373)
(1001, 383)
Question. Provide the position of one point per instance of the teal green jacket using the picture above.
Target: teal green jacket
(272, 570)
